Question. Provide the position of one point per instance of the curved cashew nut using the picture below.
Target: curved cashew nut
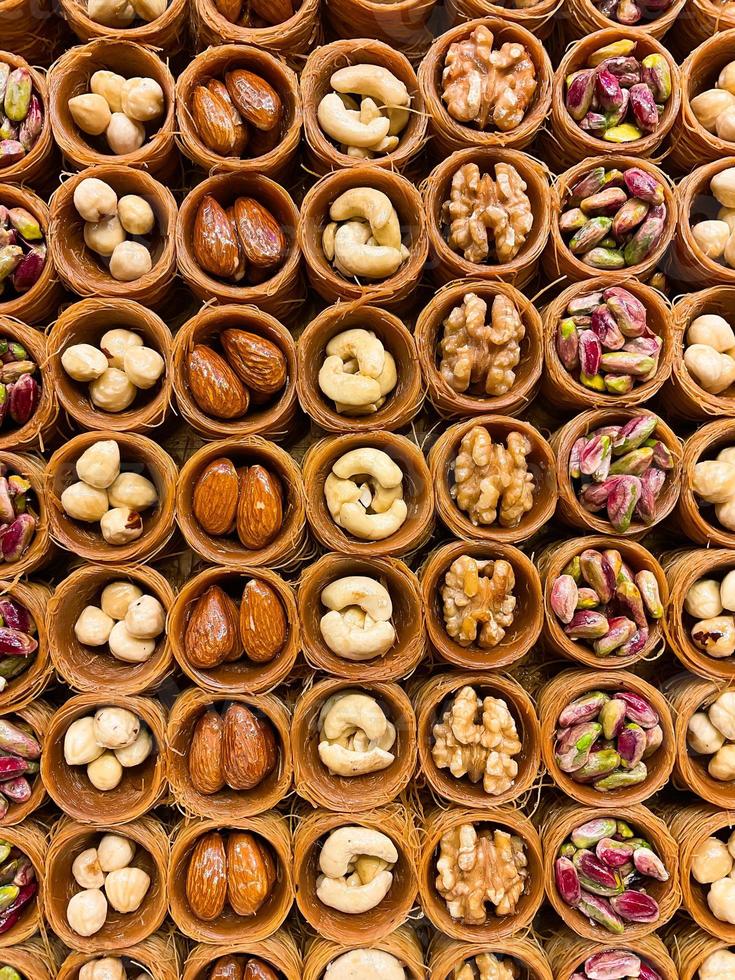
(347, 126)
(328, 236)
(377, 83)
(338, 493)
(373, 206)
(387, 380)
(362, 591)
(354, 257)
(347, 389)
(351, 713)
(346, 844)
(373, 462)
(343, 762)
(361, 743)
(354, 642)
(359, 963)
(372, 527)
(383, 498)
(353, 899)
(364, 346)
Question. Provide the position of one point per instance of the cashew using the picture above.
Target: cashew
(345, 845)
(374, 462)
(352, 897)
(358, 152)
(351, 712)
(347, 126)
(350, 390)
(359, 963)
(377, 83)
(354, 643)
(364, 346)
(354, 257)
(339, 493)
(383, 498)
(328, 240)
(362, 591)
(343, 762)
(375, 207)
(369, 111)
(373, 527)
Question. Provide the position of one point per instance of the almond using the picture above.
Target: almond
(256, 361)
(218, 88)
(227, 968)
(214, 502)
(273, 11)
(213, 121)
(211, 634)
(263, 624)
(205, 754)
(251, 872)
(261, 237)
(249, 749)
(214, 386)
(259, 508)
(256, 101)
(214, 241)
(258, 970)
(206, 878)
(230, 9)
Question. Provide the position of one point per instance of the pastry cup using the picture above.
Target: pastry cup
(497, 927)
(321, 65)
(274, 418)
(446, 264)
(391, 292)
(70, 77)
(227, 550)
(351, 794)
(86, 322)
(36, 715)
(527, 616)
(282, 295)
(701, 20)
(569, 142)
(121, 930)
(186, 711)
(584, 18)
(242, 676)
(698, 520)
(564, 390)
(403, 944)
(30, 837)
(40, 302)
(571, 511)
(396, 822)
(270, 829)
(684, 395)
(400, 23)
(83, 272)
(278, 951)
(87, 669)
(419, 523)
(26, 688)
(559, 823)
(408, 617)
(686, 568)
(567, 953)
(141, 788)
(159, 954)
(447, 133)
(214, 63)
(137, 453)
(688, 695)
(167, 32)
(34, 167)
(35, 958)
(445, 955)
(290, 39)
(540, 462)
(41, 548)
(431, 700)
(559, 261)
(401, 404)
(41, 426)
(450, 403)
(553, 560)
(690, 946)
(571, 684)
(29, 30)
(696, 202)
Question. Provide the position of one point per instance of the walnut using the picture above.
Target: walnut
(478, 599)
(477, 355)
(476, 868)
(478, 739)
(486, 966)
(480, 209)
(492, 481)
(485, 86)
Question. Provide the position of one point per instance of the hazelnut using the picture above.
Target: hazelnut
(99, 465)
(105, 773)
(84, 503)
(80, 745)
(93, 627)
(145, 618)
(126, 889)
(121, 525)
(114, 728)
(136, 215)
(94, 199)
(86, 912)
(130, 261)
(108, 968)
(117, 596)
(83, 362)
(113, 391)
(124, 135)
(108, 84)
(115, 852)
(132, 490)
(86, 869)
(111, 13)
(104, 236)
(125, 646)
(133, 755)
(149, 10)
(142, 99)
(90, 112)
(116, 342)
(144, 366)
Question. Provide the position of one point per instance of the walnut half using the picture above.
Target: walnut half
(491, 481)
(478, 601)
(486, 966)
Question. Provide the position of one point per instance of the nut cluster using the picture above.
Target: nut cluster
(621, 470)
(355, 736)
(107, 224)
(487, 966)
(237, 749)
(18, 641)
(242, 116)
(22, 251)
(714, 109)
(119, 108)
(616, 97)
(712, 605)
(243, 243)
(616, 964)
(362, 961)
(127, 621)
(107, 877)
(18, 516)
(19, 755)
(19, 887)
(600, 599)
(231, 967)
(716, 236)
(125, 13)
(248, 500)
(358, 625)
(604, 341)
(363, 240)
(364, 494)
(603, 871)
(478, 601)
(373, 125)
(358, 373)
(103, 493)
(712, 862)
(710, 352)
(115, 370)
(257, 13)
(236, 869)
(107, 743)
(492, 482)
(712, 484)
(107, 968)
(614, 219)
(711, 732)
(21, 114)
(356, 865)
(605, 739)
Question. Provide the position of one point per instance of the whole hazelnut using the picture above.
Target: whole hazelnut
(142, 99)
(116, 598)
(111, 13)
(94, 199)
(115, 343)
(83, 362)
(90, 112)
(136, 215)
(99, 466)
(130, 261)
(113, 391)
(108, 84)
(144, 366)
(87, 911)
(82, 502)
(131, 649)
(104, 236)
(124, 135)
(93, 627)
(105, 773)
(134, 491)
(121, 525)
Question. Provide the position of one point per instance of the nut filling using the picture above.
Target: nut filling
(711, 604)
(358, 373)
(357, 626)
(713, 485)
(355, 737)
(373, 125)
(363, 240)
(712, 865)
(364, 494)
(107, 743)
(127, 621)
(492, 482)
(109, 968)
(107, 876)
(478, 601)
(487, 966)
(711, 733)
(356, 865)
